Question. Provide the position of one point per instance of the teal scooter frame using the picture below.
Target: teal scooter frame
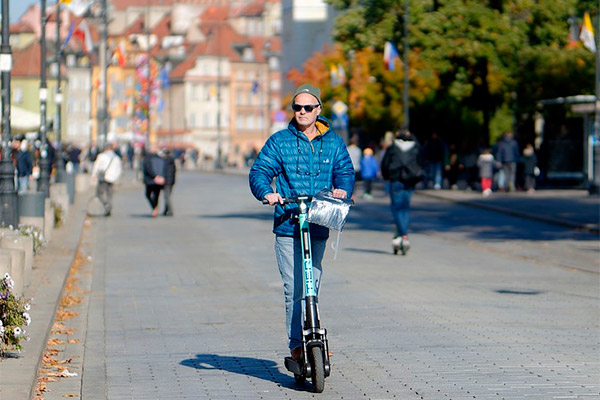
(315, 348)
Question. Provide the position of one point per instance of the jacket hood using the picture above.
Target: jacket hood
(323, 126)
(405, 144)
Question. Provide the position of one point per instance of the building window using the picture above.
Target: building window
(248, 54)
(18, 95)
(273, 63)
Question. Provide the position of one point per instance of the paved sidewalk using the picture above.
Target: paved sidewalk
(575, 209)
(572, 209)
(50, 268)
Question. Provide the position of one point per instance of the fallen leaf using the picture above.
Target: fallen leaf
(62, 315)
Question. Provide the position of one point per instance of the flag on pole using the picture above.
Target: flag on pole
(390, 53)
(341, 73)
(83, 33)
(69, 34)
(586, 35)
(119, 54)
(77, 7)
(337, 74)
(255, 87)
(333, 75)
(165, 82)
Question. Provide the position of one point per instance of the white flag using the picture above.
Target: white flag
(587, 33)
(78, 7)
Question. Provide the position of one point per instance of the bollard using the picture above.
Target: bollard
(17, 268)
(70, 181)
(31, 209)
(5, 264)
(24, 243)
(82, 183)
(48, 218)
(59, 195)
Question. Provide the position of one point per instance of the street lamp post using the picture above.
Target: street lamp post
(351, 55)
(58, 97)
(8, 193)
(219, 163)
(405, 94)
(594, 185)
(43, 185)
(102, 113)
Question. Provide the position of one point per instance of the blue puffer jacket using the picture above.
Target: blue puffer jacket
(301, 167)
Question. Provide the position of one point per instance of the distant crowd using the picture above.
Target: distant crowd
(26, 156)
(503, 167)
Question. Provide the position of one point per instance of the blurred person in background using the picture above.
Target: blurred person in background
(402, 166)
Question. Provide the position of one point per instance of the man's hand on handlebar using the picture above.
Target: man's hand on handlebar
(273, 198)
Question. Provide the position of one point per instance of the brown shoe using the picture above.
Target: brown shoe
(296, 353)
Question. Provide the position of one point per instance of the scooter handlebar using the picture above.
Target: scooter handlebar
(294, 199)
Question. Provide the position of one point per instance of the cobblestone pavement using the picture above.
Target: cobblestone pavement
(190, 307)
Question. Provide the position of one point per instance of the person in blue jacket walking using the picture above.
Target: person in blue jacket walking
(303, 159)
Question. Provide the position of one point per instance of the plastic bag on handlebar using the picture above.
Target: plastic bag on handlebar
(328, 211)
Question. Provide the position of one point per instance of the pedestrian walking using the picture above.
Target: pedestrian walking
(453, 168)
(23, 163)
(486, 163)
(508, 155)
(154, 178)
(170, 172)
(401, 166)
(369, 170)
(355, 155)
(304, 158)
(529, 161)
(106, 171)
(74, 157)
(435, 151)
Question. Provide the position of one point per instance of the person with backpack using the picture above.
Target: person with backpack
(401, 166)
(154, 177)
(106, 171)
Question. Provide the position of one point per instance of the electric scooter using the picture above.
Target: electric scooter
(315, 348)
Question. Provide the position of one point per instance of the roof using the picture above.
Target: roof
(120, 5)
(253, 9)
(27, 61)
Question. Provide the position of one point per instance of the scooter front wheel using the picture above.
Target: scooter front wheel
(318, 369)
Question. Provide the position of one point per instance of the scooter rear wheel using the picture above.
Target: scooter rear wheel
(318, 369)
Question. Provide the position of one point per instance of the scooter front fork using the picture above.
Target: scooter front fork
(314, 336)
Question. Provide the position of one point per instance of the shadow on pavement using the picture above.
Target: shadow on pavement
(372, 251)
(259, 216)
(255, 367)
(519, 292)
(477, 224)
(145, 215)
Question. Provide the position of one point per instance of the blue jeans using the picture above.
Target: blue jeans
(23, 184)
(434, 173)
(400, 203)
(288, 252)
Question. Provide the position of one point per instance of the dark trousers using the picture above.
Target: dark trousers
(152, 194)
(168, 205)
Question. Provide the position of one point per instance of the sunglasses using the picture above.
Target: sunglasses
(307, 107)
